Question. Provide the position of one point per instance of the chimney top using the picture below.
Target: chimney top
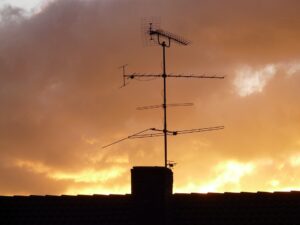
(151, 183)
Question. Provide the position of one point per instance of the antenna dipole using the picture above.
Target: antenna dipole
(164, 39)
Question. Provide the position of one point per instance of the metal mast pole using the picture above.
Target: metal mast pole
(165, 104)
(164, 39)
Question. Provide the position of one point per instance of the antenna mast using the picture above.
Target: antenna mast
(164, 39)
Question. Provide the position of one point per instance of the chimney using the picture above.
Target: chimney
(151, 183)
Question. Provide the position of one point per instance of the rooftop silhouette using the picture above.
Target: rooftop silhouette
(152, 202)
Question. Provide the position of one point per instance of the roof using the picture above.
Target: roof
(212, 208)
(237, 208)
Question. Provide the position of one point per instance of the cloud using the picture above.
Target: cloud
(24, 181)
(60, 98)
(266, 174)
(249, 81)
(228, 173)
(292, 68)
(9, 14)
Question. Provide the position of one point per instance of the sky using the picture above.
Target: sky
(61, 99)
(25, 4)
(29, 6)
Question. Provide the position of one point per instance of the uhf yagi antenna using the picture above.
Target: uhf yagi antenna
(164, 39)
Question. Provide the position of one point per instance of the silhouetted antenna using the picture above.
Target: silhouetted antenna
(156, 24)
(160, 132)
(128, 137)
(196, 76)
(171, 164)
(123, 67)
(164, 39)
(161, 106)
(161, 34)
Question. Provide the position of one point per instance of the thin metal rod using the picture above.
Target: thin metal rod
(195, 76)
(161, 106)
(128, 137)
(197, 130)
(174, 133)
(134, 75)
(164, 39)
(147, 135)
(165, 104)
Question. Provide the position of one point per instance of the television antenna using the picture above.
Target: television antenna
(164, 39)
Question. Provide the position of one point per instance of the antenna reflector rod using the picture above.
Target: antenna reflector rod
(161, 106)
(168, 35)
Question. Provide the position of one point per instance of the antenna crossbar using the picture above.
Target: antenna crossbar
(160, 132)
(195, 76)
(128, 137)
(134, 75)
(174, 133)
(164, 76)
(168, 35)
(162, 105)
(197, 130)
(148, 135)
(164, 39)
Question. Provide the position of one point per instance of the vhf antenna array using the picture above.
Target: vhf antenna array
(164, 39)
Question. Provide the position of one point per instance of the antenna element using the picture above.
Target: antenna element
(164, 39)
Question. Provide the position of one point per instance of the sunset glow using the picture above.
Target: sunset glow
(61, 99)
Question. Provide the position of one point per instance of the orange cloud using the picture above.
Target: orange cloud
(60, 98)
